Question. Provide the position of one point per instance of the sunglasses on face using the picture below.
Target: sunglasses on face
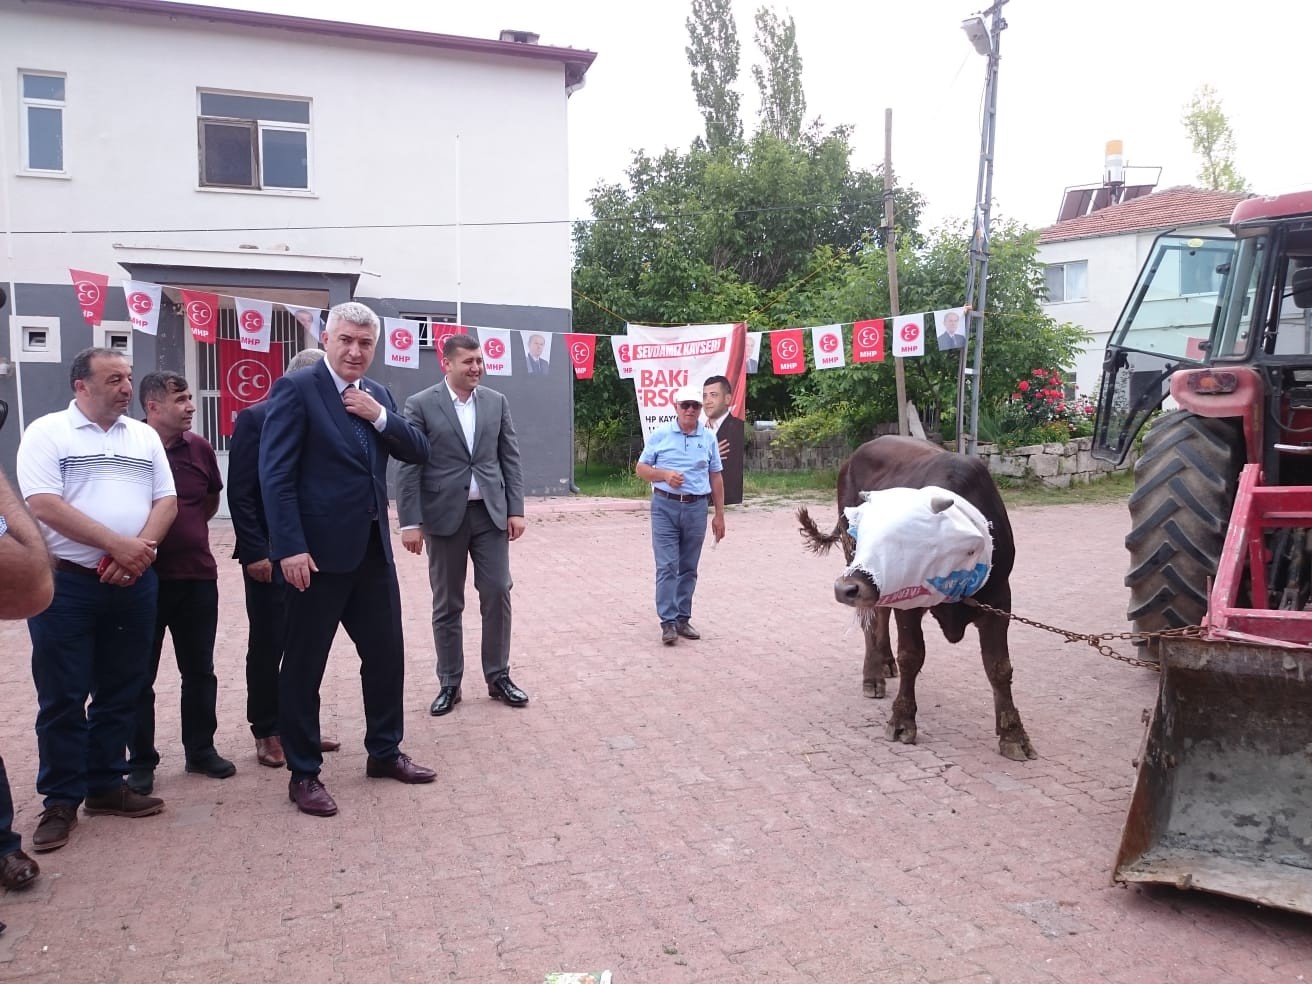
(689, 405)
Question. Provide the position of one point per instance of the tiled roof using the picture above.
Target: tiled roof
(1165, 209)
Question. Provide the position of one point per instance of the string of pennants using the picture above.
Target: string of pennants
(401, 335)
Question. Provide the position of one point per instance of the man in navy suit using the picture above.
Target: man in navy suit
(323, 477)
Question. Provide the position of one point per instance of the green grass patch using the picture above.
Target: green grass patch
(769, 488)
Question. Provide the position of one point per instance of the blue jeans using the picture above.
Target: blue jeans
(9, 841)
(93, 641)
(678, 530)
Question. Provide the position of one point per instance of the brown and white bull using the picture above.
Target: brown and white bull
(909, 463)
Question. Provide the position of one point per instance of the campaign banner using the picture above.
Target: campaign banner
(91, 289)
(496, 351)
(908, 336)
(623, 352)
(827, 346)
(143, 305)
(537, 351)
(950, 325)
(868, 340)
(310, 319)
(666, 358)
(753, 352)
(202, 311)
(441, 332)
(582, 353)
(401, 346)
(254, 323)
(245, 379)
(787, 353)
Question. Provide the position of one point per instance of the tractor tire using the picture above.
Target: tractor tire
(1184, 491)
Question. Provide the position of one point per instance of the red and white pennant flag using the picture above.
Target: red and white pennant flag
(143, 305)
(402, 343)
(254, 323)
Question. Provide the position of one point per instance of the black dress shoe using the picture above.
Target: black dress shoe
(402, 769)
(445, 702)
(17, 871)
(502, 688)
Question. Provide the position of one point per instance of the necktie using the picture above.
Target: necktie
(361, 430)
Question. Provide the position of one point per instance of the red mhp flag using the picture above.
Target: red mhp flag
(787, 353)
(245, 379)
(202, 311)
(868, 341)
(91, 289)
(442, 332)
(582, 353)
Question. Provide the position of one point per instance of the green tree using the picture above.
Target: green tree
(783, 102)
(713, 51)
(1019, 337)
(1213, 141)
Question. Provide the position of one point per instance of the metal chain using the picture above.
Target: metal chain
(1099, 640)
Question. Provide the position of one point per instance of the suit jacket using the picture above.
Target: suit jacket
(731, 430)
(245, 504)
(537, 367)
(433, 493)
(323, 495)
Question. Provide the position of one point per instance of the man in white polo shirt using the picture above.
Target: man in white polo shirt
(100, 485)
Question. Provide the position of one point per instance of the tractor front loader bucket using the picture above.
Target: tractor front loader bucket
(1223, 798)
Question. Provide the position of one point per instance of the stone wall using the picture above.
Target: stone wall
(1056, 465)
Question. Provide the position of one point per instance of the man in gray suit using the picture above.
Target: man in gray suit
(466, 500)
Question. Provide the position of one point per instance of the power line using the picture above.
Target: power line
(657, 217)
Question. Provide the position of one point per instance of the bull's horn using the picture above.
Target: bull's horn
(941, 503)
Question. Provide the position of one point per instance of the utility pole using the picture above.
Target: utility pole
(986, 41)
(890, 250)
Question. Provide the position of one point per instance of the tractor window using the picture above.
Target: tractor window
(1175, 303)
(1236, 309)
(1294, 331)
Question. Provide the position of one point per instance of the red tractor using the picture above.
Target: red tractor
(1221, 537)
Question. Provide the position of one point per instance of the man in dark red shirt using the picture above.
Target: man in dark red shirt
(188, 589)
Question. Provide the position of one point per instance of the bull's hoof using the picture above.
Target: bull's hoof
(905, 733)
(876, 689)
(1017, 749)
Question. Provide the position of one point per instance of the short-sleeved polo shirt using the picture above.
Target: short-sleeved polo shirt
(697, 455)
(114, 476)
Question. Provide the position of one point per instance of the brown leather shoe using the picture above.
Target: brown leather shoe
(17, 871)
(310, 797)
(686, 630)
(401, 768)
(121, 802)
(268, 751)
(329, 745)
(54, 826)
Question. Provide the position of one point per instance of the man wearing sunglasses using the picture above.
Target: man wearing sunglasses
(682, 462)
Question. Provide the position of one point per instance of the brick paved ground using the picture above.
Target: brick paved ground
(726, 810)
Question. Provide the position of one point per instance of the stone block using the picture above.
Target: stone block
(1044, 465)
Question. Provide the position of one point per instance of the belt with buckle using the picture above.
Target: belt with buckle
(679, 498)
(68, 567)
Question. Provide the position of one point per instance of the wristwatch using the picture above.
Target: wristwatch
(4, 526)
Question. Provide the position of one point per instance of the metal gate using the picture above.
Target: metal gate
(283, 329)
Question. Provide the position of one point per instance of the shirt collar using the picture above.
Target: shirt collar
(455, 397)
(81, 420)
(338, 381)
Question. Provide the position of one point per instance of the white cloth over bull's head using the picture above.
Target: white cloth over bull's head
(920, 547)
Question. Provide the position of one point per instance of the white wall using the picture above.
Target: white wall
(384, 123)
(1114, 264)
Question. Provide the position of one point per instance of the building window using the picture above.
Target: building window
(34, 339)
(115, 336)
(1067, 281)
(257, 142)
(426, 322)
(42, 122)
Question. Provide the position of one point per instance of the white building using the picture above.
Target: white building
(1092, 262)
(283, 158)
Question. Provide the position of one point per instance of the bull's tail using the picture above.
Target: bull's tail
(820, 543)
